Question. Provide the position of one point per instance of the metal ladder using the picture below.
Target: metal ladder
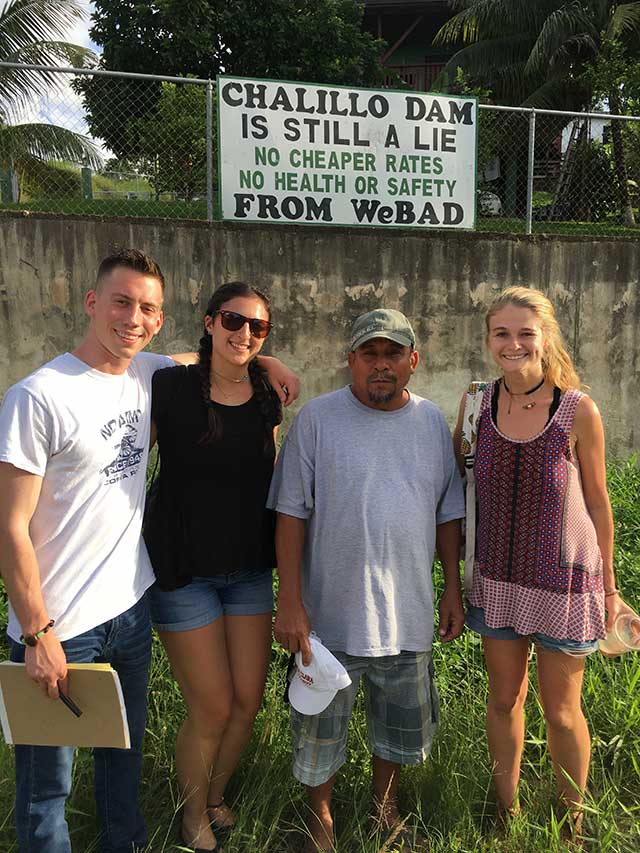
(579, 130)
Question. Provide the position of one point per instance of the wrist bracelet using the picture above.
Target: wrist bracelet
(612, 592)
(32, 639)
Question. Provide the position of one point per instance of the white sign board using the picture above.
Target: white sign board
(329, 155)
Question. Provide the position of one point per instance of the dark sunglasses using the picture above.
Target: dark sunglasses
(233, 322)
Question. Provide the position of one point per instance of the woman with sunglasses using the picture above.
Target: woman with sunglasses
(211, 542)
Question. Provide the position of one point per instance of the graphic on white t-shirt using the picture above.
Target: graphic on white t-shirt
(128, 459)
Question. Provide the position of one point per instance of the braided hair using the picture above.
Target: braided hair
(266, 397)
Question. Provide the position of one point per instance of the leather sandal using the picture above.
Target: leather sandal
(184, 843)
(219, 826)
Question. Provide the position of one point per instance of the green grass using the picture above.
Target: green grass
(101, 183)
(450, 794)
(583, 229)
(116, 207)
(542, 197)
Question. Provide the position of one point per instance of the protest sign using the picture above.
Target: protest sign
(331, 155)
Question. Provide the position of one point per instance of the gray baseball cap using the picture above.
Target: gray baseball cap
(382, 323)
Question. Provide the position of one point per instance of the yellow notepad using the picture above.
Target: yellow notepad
(30, 717)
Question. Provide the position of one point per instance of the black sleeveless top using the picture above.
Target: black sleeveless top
(208, 516)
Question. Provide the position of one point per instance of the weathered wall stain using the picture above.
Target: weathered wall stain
(319, 280)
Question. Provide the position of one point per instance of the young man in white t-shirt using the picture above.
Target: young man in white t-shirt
(74, 442)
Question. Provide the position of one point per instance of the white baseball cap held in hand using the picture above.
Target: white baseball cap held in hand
(313, 687)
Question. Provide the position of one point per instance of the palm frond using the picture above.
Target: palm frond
(625, 20)
(31, 33)
(557, 94)
(561, 25)
(23, 22)
(573, 47)
(461, 29)
(485, 57)
(47, 142)
(52, 52)
(506, 17)
(490, 19)
(509, 73)
(461, 5)
(17, 85)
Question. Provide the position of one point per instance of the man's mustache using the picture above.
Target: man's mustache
(384, 375)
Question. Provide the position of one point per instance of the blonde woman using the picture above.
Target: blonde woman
(543, 570)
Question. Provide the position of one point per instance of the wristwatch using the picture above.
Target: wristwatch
(32, 639)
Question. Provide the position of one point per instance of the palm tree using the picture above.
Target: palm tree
(31, 33)
(532, 52)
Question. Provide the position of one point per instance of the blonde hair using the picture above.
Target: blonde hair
(556, 361)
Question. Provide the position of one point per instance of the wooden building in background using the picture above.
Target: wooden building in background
(408, 27)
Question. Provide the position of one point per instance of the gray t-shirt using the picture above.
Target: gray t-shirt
(373, 485)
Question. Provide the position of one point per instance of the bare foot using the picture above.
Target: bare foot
(505, 814)
(320, 828)
(385, 814)
(398, 834)
(571, 826)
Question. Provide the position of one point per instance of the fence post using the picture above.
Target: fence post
(209, 150)
(530, 167)
(6, 186)
(87, 188)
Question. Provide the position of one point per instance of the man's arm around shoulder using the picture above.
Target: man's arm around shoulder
(284, 381)
(19, 493)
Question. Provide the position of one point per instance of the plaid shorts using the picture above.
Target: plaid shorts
(402, 711)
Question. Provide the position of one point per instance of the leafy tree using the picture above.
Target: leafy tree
(172, 141)
(534, 53)
(31, 32)
(592, 186)
(613, 78)
(310, 40)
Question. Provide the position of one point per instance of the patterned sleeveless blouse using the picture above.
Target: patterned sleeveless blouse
(538, 567)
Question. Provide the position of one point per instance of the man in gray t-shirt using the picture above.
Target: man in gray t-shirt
(366, 489)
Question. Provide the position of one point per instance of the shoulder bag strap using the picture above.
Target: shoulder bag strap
(472, 407)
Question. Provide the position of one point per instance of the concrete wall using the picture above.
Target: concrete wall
(320, 279)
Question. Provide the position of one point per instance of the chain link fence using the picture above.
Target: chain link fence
(136, 145)
(110, 143)
(545, 171)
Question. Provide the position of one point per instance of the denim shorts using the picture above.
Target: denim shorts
(401, 707)
(476, 621)
(247, 592)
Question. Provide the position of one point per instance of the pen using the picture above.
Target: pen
(71, 705)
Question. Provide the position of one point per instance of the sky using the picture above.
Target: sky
(80, 33)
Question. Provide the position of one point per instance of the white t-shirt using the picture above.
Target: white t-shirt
(86, 433)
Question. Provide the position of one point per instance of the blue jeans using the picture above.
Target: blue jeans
(43, 773)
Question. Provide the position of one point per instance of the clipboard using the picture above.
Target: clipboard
(30, 717)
